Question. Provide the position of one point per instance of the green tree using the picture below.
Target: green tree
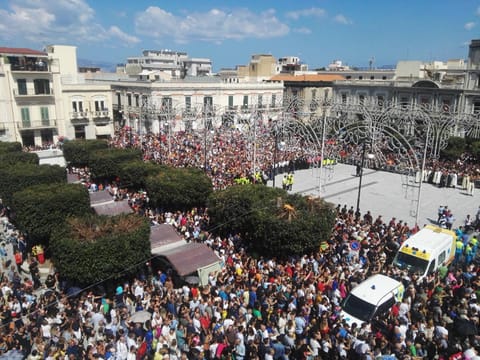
(13, 158)
(15, 178)
(456, 147)
(41, 209)
(106, 164)
(8, 147)
(79, 152)
(133, 174)
(271, 221)
(93, 248)
(179, 188)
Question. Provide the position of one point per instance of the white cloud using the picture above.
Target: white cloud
(312, 12)
(115, 32)
(342, 19)
(59, 21)
(469, 25)
(214, 25)
(302, 30)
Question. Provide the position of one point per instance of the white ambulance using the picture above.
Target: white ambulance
(374, 296)
(427, 250)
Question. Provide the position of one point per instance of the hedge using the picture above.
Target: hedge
(15, 178)
(9, 147)
(106, 164)
(134, 174)
(40, 209)
(94, 248)
(179, 188)
(78, 152)
(13, 158)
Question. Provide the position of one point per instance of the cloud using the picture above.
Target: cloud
(212, 26)
(469, 25)
(114, 31)
(342, 19)
(59, 21)
(302, 30)
(312, 12)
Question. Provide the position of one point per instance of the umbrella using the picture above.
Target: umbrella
(192, 280)
(140, 317)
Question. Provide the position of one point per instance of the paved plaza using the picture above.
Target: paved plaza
(384, 193)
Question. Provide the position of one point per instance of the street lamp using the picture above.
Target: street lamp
(360, 174)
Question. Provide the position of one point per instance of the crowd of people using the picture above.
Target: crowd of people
(255, 308)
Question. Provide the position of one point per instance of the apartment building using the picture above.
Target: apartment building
(44, 98)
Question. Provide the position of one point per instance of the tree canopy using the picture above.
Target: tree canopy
(92, 248)
(271, 221)
(179, 188)
(42, 208)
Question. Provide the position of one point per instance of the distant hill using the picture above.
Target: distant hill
(105, 66)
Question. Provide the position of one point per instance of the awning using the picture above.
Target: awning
(113, 208)
(103, 204)
(99, 197)
(188, 258)
(162, 237)
(103, 130)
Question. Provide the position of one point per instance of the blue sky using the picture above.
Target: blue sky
(229, 32)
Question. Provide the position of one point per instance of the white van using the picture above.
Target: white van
(427, 250)
(374, 296)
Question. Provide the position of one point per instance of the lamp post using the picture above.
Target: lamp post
(362, 164)
(275, 135)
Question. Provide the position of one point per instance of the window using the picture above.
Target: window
(25, 117)
(245, 101)
(129, 99)
(137, 100)
(230, 102)
(425, 102)
(274, 100)
(344, 98)
(476, 106)
(446, 106)
(361, 99)
(41, 86)
(325, 94)
(207, 103)
(99, 105)
(441, 257)
(77, 106)
(380, 100)
(119, 100)
(372, 77)
(80, 132)
(314, 94)
(404, 102)
(22, 86)
(44, 115)
(260, 101)
(349, 77)
(167, 104)
(384, 78)
(360, 78)
(188, 103)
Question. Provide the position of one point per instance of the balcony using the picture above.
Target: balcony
(101, 117)
(31, 92)
(39, 67)
(36, 124)
(79, 117)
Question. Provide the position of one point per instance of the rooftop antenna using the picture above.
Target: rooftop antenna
(371, 62)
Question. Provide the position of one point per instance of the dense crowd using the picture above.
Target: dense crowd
(262, 308)
(255, 308)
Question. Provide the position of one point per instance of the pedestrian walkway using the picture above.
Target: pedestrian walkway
(384, 193)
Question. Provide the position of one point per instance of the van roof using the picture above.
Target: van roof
(374, 289)
(430, 238)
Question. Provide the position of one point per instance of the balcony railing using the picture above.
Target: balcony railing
(101, 114)
(32, 92)
(30, 67)
(78, 114)
(36, 124)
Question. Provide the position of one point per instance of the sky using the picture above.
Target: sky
(230, 32)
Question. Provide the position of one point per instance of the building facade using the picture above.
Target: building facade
(43, 98)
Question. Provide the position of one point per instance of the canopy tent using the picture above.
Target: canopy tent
(103, 204)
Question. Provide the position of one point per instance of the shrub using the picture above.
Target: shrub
(78, 152)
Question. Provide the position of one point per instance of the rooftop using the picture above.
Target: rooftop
(21, 51)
